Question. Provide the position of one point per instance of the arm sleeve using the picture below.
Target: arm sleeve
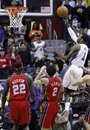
(72, 34)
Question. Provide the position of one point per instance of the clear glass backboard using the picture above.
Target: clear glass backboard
(35, 7)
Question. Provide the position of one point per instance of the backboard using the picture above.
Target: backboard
(35, 7)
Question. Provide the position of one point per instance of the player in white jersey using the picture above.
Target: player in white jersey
(80, 57)
(76, 57)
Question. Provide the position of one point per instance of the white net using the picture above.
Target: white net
(15, 16)
(16, 21)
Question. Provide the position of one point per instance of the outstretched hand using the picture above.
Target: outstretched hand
(65, 19)
(43, 68)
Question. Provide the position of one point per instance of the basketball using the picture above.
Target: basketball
(62, 11)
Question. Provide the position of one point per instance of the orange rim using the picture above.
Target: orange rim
(14, 10)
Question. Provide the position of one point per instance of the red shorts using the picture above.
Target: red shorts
(20, 112)
(49, 113)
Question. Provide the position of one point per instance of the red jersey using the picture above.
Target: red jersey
(4, 61)
(18, 87)
(53, 89)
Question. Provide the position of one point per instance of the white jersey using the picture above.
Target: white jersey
(39, 52)
(79, 58)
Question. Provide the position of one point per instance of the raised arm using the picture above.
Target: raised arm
(40, 79)
(70, 30)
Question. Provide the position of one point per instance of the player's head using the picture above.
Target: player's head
(51, 70)
(83, 38)
(18, 66)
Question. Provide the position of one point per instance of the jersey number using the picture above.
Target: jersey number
(19, 89)
(55, 91)
(84, 56)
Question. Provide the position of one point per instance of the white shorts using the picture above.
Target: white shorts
(65, 75)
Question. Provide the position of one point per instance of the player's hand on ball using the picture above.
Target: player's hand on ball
(66, 21)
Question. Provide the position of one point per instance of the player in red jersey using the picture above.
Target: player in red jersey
(19, 85)
(53, 87)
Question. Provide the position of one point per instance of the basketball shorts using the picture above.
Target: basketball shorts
(47, 117)
(20, 112)
(65, 75)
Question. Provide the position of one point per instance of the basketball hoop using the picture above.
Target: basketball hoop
(15, 16)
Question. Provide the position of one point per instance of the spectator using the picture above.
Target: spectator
(84, 3)
(39, 49)
(22, 29)
(79, 125)
(74, 21)
(5, 39)
(70, 8)
(71, 3)
(80, 12)
(21, 40)
(10, 42)
(25, 55)
(88, 16)
(2, 34)
(76, 26)
(13, 56)
(34, 32)
(4, 65)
